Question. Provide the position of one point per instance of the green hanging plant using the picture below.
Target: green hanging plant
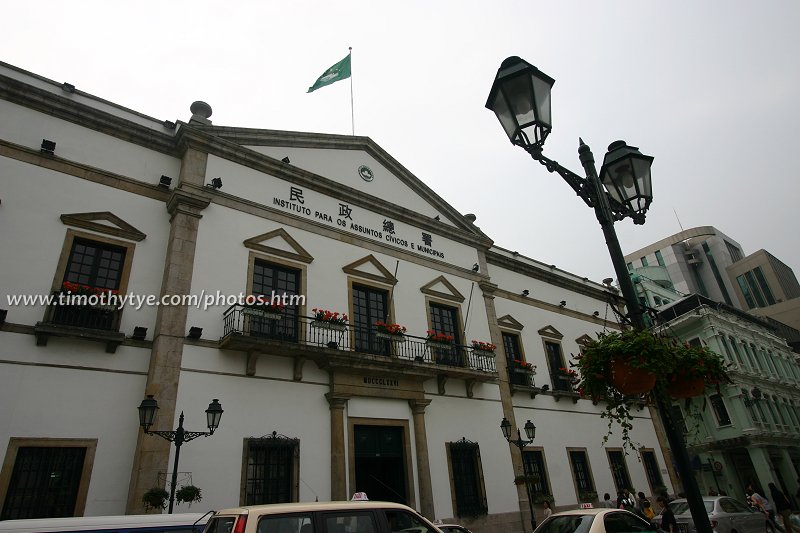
(188, 494)
(155, 498)
(652, 356)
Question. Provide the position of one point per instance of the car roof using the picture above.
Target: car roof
(279, 508)
(592, 511)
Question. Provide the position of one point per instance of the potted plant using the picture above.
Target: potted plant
(613, 367)
(329, 320)
(261, 306)
(522, 367)
(155, 498)
(529, 478)
(394, 332)
(188, 494)
(95, 297)
(480, 346)
(441, 339)
(695, 368)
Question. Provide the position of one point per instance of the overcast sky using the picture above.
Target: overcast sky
(709, 88)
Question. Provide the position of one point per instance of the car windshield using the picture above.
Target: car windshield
(573, 523)
(682, 507)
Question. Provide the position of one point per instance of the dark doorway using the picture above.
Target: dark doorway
(379, 462)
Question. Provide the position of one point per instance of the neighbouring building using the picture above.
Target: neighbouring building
(746, 431)
(193, 216)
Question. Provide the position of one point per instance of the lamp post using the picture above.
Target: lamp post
(520, 97)
(147, 415)
(519, 442)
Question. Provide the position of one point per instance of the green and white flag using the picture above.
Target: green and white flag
(339, 71)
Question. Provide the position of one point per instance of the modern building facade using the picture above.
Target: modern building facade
(191, 217)
(746, 431)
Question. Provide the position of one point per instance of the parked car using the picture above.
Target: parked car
(595, 521)
(451, 528)
(318, 517)
(726, 514)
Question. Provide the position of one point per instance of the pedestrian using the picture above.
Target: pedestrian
(547, 510)
(607, 501)
(760, 503)
(782, 506)
(668, 522)
(647, 511)
(626, 501)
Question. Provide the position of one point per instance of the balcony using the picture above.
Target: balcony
(94, 323)
(344, 346)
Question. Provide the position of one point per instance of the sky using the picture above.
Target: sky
(709, 89)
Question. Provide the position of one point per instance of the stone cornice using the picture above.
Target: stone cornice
(531, 271)
(84, 115)
(186, 202)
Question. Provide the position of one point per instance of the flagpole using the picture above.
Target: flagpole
(352, 114)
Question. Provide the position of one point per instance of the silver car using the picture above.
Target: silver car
(727, 515)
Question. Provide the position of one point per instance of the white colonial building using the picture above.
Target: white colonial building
(104, 197)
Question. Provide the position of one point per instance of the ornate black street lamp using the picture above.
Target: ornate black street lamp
(519, 442)
(520, 97)
(147, 415)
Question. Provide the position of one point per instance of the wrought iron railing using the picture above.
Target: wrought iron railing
(519, 375)
(102, 317)
(288, 327)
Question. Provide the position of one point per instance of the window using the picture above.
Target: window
(751, 282)
(748, 298)
(444, 319)
(516, 374)
(581, 473)
(644, 262)
(403, 521)
(678, 419)
(762, 283)
(269, 279)
(651, 469)
(718, 405)
(271, 470)
(619, 470)
(736, 253)
(660, 258)
(467, 478)
(97, 264)
(369, 307)
(715, 271)
(555, 359)
(625, 523)
(534, 465)
(46, 478)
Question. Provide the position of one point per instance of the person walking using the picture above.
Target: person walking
(668, 522)
(782, 506)
(607, 501)
(547, 509)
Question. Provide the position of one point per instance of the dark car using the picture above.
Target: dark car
(726, 514)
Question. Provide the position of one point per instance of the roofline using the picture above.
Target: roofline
(691, 233)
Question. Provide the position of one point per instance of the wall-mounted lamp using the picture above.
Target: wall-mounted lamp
(436, 217)
(476, 267)
(545, 387)
(608, 281)
(216, 183)
(169, 124)
(165, 182)
(139, 333)
(3, 315)
(48, 147)
(68, 87)
(195, 332)
(286, 160)
(526, 292)
(562, 303)
(596, 313)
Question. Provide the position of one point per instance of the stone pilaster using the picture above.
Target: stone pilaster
(337, 404)
(423, 463)
(152, 453)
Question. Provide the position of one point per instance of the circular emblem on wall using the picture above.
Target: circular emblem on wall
(366, 173)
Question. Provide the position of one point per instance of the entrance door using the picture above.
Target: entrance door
(380, 466)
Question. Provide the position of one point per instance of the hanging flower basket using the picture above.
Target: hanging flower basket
(687, 388)
(629, 380)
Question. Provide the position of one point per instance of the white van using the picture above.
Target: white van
(330, 517)
(147, 523)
